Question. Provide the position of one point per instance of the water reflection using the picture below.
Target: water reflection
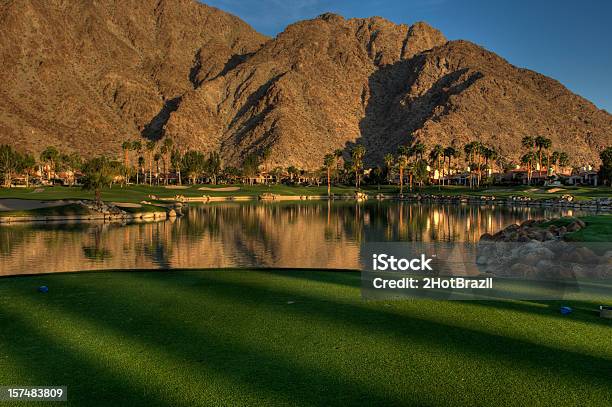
(249, 234)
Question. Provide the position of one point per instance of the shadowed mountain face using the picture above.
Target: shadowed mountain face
(88, 75)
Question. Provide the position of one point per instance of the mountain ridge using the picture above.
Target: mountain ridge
(117, 70)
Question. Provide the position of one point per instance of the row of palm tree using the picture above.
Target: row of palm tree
(539, 152)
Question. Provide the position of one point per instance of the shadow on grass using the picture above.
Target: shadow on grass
(584, 311)
(133, 313)
(126, 314)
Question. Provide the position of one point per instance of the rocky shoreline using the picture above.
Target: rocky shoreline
(567, 201)
(535, 250)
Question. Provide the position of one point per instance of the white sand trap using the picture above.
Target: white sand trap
(38, 190)
(27, 204)
(126, 205)
(554, 190)
(176, 187)
(222, 189)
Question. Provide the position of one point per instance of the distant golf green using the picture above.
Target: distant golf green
(137, 193)
(185, 338)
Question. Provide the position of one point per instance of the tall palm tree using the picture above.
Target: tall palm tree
(357, 154)
(389, 160)
(418, 149)
(137, 147)
(469, 150)
(402, 163)
(451, 153)
(528, 143)
(528, 160)
(554, 160)
(175, 159)
(329, 161)
(541, 143)
(563, 159)
(126, 147)
(167, 146)
(156, 158)
(150, 148)
(141, 167)
(163, 152)
(403, 157)
(435, 154)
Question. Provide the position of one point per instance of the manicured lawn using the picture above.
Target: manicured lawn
(186, 338)
(137, 193)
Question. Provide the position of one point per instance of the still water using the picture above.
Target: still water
(250, 234)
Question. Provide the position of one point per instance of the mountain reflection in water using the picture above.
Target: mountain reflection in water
(317, 234)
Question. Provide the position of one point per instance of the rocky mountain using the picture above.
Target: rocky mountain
(87, 75)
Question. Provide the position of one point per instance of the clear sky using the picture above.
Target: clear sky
(570, 41)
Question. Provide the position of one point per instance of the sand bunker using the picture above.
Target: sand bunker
(177, 187)
(222, 189)
(554, 190)
(27, 204)
(126, 205)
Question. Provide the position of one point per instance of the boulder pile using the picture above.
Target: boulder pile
(533, 230)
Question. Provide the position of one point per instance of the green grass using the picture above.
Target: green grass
(598, 228)
(137, 193)
(64, 210)
(185, 338)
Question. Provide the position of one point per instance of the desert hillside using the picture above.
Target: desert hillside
(87, 75)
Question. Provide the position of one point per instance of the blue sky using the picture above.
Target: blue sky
(570, 41)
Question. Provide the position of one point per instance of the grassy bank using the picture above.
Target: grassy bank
(292, 338)
(598, 228)
(64, 210)
(137, 193)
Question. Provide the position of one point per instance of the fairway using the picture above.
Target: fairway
(224, 337)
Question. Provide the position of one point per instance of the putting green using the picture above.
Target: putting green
(185, 338)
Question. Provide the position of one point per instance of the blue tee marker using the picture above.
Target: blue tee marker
(43, 289)
(565, 310)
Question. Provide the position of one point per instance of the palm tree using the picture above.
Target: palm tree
(563, 159)
(156, 158)
(175, 161)
(554, 160)
(451, 153)
(403, 153)
(528, 160)
(469, 150)
(141, 166)
(357, 154)
(389, 160)
(418, 149)
(478, 150)
(137, 147)
(163, 152)
(435, 154)
(329, 161)
(542, 143)
(150, 147)
(528, 142)
(167, 151)
(49, 156)
(126, 147)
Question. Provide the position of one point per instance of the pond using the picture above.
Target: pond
(303, 234)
